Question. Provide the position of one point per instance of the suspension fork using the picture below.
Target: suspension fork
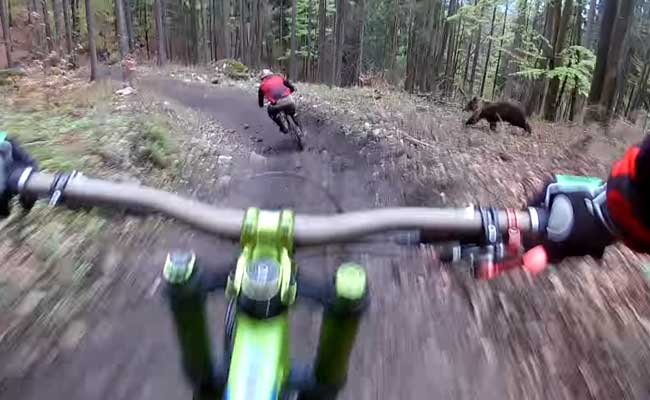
(345, 302)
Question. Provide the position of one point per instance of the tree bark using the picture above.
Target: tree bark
(614, 57)
(161, 55)
(48, 27)
(489, 50)
(92, 49)
(58, 24)
(322, 26)
(503, 32)
(561, 26)
(608, 19)
(243, 37)
(292, 61)
(6, 32)
(392, 44)
(362, 28)
(512, 83)
(477, 52)
(340, 40)
(129, 23)
(122, 36)
(66, 26)
(591, 21)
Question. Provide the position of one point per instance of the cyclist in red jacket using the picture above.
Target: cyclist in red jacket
(277, 91)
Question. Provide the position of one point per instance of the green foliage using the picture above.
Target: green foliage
(577, 68)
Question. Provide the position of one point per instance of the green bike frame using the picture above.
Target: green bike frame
(262, 287)
(259, 365)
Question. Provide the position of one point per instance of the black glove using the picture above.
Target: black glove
(13, 161)
(578, 224)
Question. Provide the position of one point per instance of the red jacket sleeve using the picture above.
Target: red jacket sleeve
(628, 196)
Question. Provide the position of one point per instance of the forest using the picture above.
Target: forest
(560, 59)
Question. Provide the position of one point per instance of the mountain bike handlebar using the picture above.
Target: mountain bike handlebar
(309, 229)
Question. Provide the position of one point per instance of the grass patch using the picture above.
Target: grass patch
(156, 143)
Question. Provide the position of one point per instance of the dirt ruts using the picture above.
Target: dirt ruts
(418, 338)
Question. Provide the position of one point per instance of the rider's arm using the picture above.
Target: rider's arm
(628, 196)
(289, 85)
(260, 97)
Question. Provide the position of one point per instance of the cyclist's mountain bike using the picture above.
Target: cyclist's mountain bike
(293, 127)
(264, 281)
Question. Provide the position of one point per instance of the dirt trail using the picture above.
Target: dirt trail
(416, 342)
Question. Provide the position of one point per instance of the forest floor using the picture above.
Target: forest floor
(82, 316)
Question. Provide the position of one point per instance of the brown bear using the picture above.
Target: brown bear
(496, 112)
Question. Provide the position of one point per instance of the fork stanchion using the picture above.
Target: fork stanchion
(186, 296)
(341, 317)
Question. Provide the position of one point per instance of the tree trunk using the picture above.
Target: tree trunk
(489, 50)
(92, 49)
(362, 28)
(468, 57)
(129, 23)
(123, 39)
(292, 61)
(614, 56)
(322, 25)
(340, 40)
(411, 60)
(503, 32)
(48, 27)
(477, 52)
(591, 21)
(608, 19)
(76, 32)
(392, 43)
(451, 47)
(194, 34)
(243, 37)
(66, 26)
(58, 24)
(6, 33)
(561, 25)
(310, 6)
(513, 83)
(161, 57)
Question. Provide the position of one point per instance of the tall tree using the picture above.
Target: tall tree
(129, 24)
(292, 61)
(122, 37)
(607, 25)
(615, 56)
(337, 68)
(48, 27)
(58, 23)
(477, 52)
(161, 55)
(615, 24)
(392, 39)
(322, 28)
(591, 21)
(92, 49)
(6, 33)
(489, 50)
(194, 34)
(503, 33)
(561, 18)
(66, 26)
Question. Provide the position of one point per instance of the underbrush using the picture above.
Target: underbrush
(52, 257)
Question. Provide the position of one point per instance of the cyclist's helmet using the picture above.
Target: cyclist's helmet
(265, 74)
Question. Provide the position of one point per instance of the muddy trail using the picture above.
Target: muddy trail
(416, 341)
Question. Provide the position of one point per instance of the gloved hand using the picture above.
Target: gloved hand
(13, 161)
(628, 197)
(578, 224)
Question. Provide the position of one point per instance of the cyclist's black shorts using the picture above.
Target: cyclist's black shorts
(287, 105)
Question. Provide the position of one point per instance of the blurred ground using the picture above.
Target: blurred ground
(81, 315)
